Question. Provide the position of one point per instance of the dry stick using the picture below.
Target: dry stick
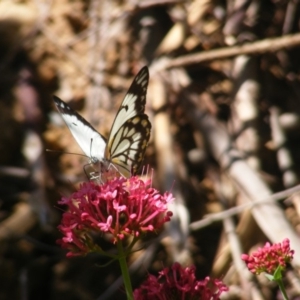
(269, 216)
(244, 107)
(249, 290)
(290, 16)
(245, 129)
(285, 162)
(245, 126)
(149, 3)
(98, 40)
(33, 152)
(284, 157)
(216, 217)
(162, 137)
(236, 13)
(137, 5)
(236, 250)
(294, 280)
(267, 45)
(20, 222)
(178, 228)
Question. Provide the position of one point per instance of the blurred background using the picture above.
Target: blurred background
(224, 103)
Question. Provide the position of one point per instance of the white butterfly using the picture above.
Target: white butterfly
(129, 134)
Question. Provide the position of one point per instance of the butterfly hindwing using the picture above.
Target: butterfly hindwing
(130, 132)
(90, 140)
(128, 146)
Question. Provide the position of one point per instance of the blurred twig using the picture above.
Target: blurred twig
(266, 45)
(216, 217)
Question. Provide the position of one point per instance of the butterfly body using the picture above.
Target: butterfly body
(129, 134)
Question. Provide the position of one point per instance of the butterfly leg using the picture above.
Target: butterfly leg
(92, 175)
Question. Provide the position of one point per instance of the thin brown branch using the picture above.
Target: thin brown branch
(210, 218)
(150, 3)
(266, 45)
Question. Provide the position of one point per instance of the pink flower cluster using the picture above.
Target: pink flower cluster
(269, 258)
(118, 208)
(179, 283)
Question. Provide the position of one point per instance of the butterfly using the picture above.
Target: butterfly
(129, 135)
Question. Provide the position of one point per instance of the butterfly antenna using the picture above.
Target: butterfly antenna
(147, 172)
(143, 170)
(172, 186)
(64, 152)
(152, 174)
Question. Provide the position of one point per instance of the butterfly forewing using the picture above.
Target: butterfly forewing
(90, 140)
(129, 144)
(134, 101)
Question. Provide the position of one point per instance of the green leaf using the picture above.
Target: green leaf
(269, 276)
(277, 273)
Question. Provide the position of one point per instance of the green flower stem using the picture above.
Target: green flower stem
(124, 269)
(282, 289)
